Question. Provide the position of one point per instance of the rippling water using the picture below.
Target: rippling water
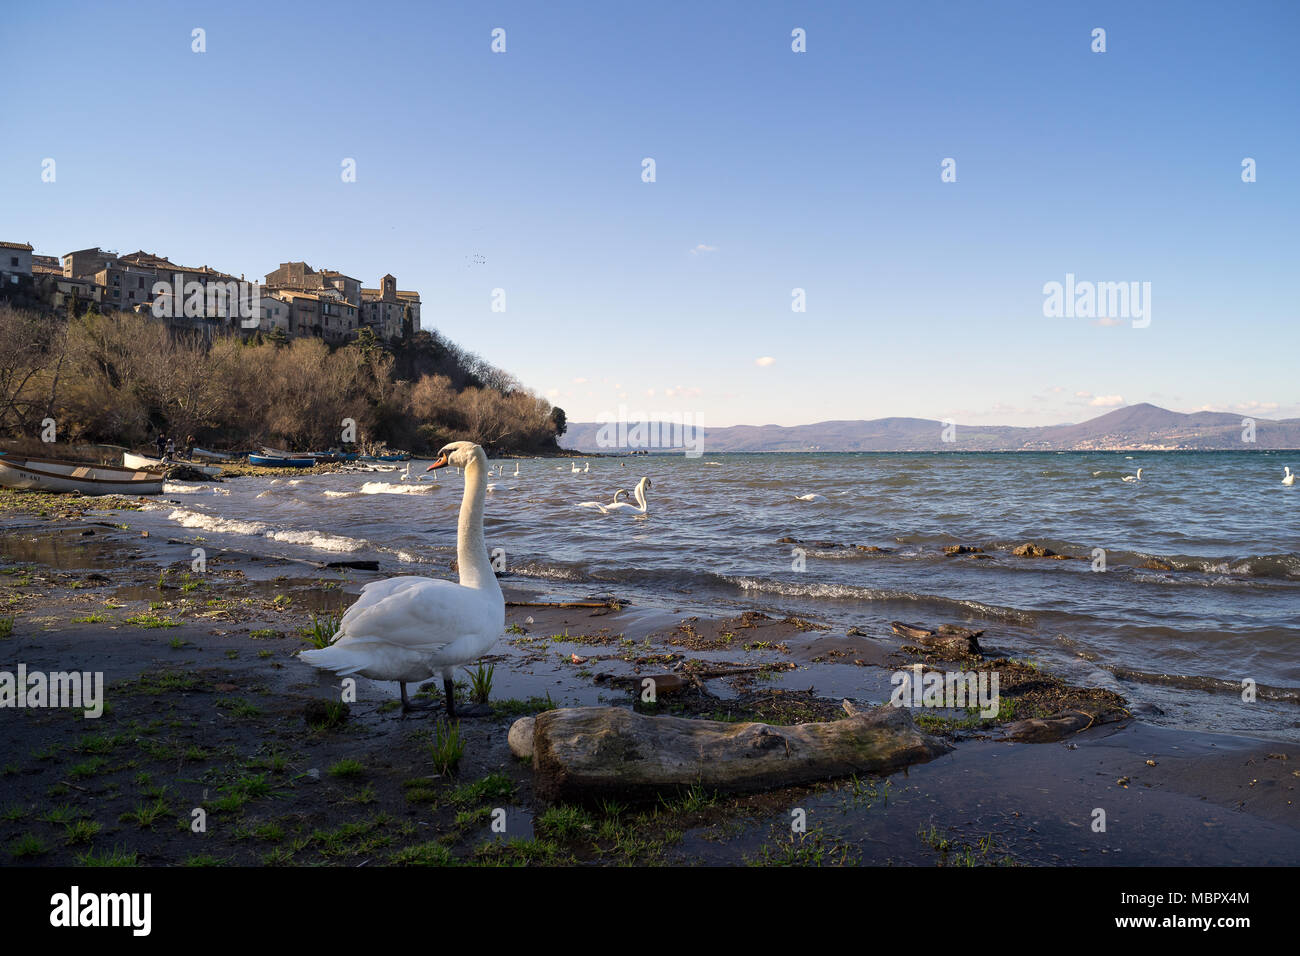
(1201, 588)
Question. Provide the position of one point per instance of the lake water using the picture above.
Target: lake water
(1201, 587)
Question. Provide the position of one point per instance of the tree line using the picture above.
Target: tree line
(122, 378)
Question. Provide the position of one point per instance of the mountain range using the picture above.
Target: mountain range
(1143, 427)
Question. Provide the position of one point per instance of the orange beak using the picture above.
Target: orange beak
(440, 463)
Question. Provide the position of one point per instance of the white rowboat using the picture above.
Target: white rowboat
(52, 474)
(143, 462)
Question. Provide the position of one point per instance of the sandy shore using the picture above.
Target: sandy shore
(209, 709)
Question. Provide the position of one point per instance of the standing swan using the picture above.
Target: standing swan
(1137, 477)
(410, 628)
(1290, 478)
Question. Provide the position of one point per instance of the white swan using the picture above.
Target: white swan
(622, 507)
(516, 469)
(410, 628)
(586, 468)
(1290, 478)
(1137, 477)
(810, 497)
(604, 509)
(574, 469)
(406, 475)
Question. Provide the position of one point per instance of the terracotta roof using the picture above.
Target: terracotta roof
(16, 245)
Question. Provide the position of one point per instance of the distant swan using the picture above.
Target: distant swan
(810, 497)
(1290, 478)
(622, 507)
(604, 509)
(516, 469)
(574, 469)
(586, 468)
(1137, 477)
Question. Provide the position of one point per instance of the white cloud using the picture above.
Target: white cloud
(764, 361)
(579, 381)
(702, 248)
(1107, 401)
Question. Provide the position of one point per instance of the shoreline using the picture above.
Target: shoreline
(209, 708)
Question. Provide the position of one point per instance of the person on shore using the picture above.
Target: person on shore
(161, 444)
(171, 448)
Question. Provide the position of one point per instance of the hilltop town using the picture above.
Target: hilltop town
(293, 301)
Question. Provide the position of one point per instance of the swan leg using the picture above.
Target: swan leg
(469, 710)
(406, 701)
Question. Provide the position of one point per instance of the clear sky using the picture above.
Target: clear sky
(775, 170)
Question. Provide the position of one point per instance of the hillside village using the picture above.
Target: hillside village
(293, 301)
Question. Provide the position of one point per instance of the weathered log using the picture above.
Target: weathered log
(589, 753)
(950, 638)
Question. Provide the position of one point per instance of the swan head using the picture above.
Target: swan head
(460, 454)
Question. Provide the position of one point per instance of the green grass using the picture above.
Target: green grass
(264, 633)
(145, 815)
(239, 707)
(81, 831)
(113, 857)
(513, 707)
(321, 630)
(88, 768)
(26, 846)
(95, 618)
(447, 748)
(151, 620)
(6, 627)
(566, 822)
(495, 786)
(423, 854)
(347, 768)
(480, 682)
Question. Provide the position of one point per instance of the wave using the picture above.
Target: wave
(173, 488)
(389, 488)
(215, 524)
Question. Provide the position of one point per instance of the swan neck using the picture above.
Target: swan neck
(471, 548)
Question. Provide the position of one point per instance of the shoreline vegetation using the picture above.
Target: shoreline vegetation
(207, 708)
(120, 378)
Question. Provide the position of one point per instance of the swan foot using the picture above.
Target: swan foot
(466, 710)
(408, 705)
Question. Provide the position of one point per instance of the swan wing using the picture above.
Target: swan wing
(424, 615)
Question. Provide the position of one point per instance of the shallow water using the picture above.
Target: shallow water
(1182, 640)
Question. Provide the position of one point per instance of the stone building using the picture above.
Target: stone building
(15, 261)
(386, 309)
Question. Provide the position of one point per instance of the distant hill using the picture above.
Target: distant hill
(1143, 427)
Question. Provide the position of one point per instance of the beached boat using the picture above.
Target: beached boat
(399, 456)
(53, 474)
(198, 452)
(276, 461)
(143, 462)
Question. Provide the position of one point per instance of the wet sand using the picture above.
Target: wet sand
(208, 708)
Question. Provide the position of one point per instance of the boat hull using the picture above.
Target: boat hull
(144, 462)
(267, 461)
(52, 474)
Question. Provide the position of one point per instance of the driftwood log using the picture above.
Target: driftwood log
(951, 638)
(589, 753)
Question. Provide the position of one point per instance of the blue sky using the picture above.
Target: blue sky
(775, 170)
